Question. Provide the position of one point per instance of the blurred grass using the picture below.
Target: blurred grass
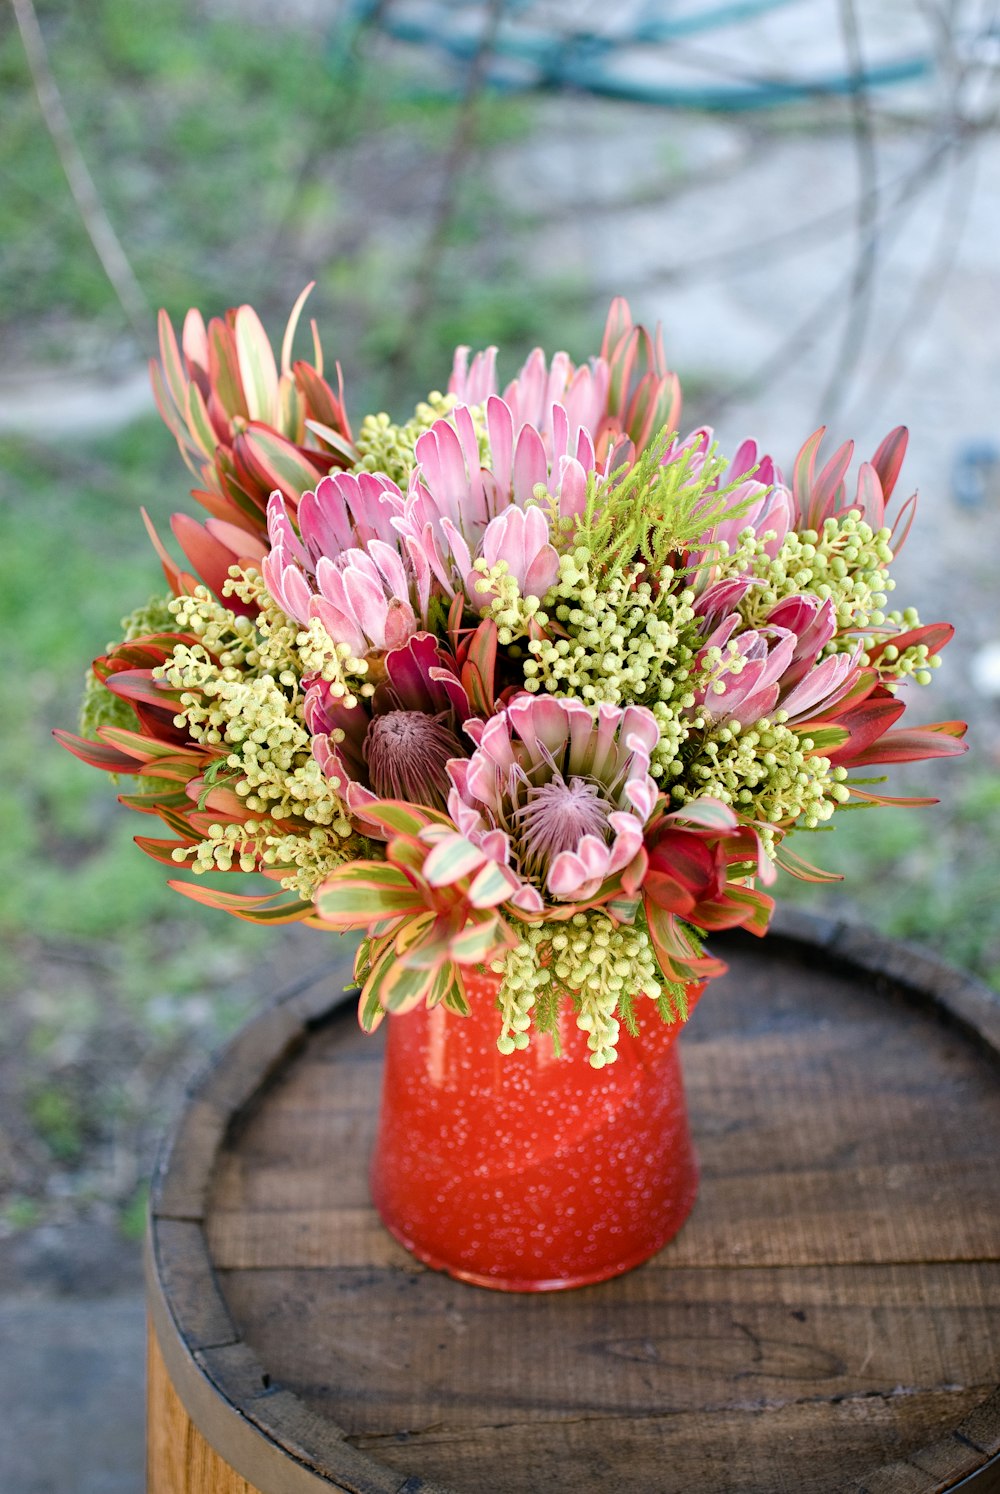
(212, 143)
(928, 875)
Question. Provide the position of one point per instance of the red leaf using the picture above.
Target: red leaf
(889, 458)
(268, 909)
(865, 724)
(797, 866)
(804, 470)
(161, 850)
(272, 463)
(828, 488)
(914, 744)
(95, 753)
(138, 685)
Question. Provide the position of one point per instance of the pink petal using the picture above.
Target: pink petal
(572, 487)
(341, 627)
(530, 465)
(627, 842)
(567, 875)
(500, 429)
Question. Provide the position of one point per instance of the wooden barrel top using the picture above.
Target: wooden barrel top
(827, 1320)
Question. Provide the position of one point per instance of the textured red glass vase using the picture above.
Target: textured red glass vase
(530, 1172)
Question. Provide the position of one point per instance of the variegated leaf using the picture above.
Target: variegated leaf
(258, 372)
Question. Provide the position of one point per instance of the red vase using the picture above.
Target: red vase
(529, 1172)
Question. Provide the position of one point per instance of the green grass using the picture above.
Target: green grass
(75, 558)
(928, 875)
(213, 145)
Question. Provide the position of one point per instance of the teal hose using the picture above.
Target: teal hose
(580, 62)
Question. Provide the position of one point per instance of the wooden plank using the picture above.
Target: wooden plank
(185, 1274)
(662, 1343)
(178, 1459)
(182, 1175)
(793, 1449)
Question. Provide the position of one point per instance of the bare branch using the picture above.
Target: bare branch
(460, 149)
(81, 184)
(867, 227)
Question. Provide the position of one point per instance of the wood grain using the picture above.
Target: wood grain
(828, 1319)
(178, 1459)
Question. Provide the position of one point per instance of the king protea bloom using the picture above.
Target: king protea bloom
(559, 793)
(398, 744)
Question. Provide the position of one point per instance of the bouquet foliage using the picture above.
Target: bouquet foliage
(531, 681)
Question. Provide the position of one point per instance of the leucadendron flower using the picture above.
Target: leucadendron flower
(245, 423)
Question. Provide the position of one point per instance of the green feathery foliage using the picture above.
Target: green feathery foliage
(655, 510)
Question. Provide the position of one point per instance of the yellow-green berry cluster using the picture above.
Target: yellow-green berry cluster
(385, 447)
(288, 651)
(304, 858)
(240, 691)
(625, 639)
(767, 772)
(260, 721)
(846, 561)
(915, 661)
(588, 960)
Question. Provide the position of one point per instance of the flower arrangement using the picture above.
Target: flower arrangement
(530, 682)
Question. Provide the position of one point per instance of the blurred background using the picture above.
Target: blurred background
(805, 192)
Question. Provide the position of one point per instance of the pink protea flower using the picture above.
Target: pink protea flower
(458, 511)
(626, 391)
(397, 745)
(344, 566)
(558, 792)
(753, 672)
(759, 502)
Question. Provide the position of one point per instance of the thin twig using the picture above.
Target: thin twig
(802, 336)
(81, 184)
(335, 125)
(929, 288)
(931, 284)
(460, 148)
(867, 225)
